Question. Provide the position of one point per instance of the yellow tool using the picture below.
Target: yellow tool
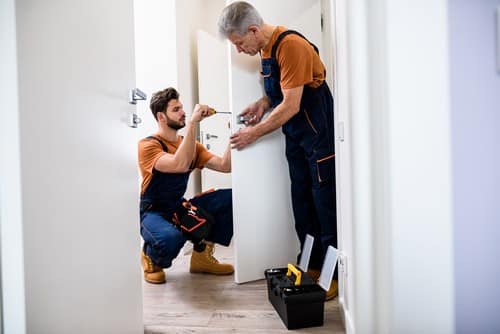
(212, 111)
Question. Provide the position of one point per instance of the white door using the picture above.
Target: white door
(78, 167)
(263, 222)
(213, 89)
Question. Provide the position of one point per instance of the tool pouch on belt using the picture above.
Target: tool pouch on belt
(194, 222)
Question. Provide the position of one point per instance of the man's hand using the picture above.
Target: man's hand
(200, 112)
(254, 112)
(243, 138)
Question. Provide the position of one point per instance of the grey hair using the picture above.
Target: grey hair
(237, 17)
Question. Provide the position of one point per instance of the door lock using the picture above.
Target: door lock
(134, 120)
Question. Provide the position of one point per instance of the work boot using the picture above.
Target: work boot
(152, 273)
(334, 287)
(333, 291)
(205, 262)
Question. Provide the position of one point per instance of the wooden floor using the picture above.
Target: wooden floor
(198, 303)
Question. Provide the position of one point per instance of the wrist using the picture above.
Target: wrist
(256, 131)
(264, 102)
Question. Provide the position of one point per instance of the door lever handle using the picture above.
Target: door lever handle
(208, 136)
(136, 95)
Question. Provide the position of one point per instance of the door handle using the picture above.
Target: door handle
(136, 95)
(208, 136)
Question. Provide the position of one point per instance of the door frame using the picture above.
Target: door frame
(13, 317)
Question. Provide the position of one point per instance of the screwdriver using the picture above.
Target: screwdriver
(241, 119)
(212, 111)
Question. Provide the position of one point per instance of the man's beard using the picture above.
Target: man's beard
(175, 125)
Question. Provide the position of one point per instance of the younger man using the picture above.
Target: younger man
(165, 160)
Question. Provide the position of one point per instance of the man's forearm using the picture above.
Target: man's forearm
(279, 116)
(264, 102)
(185, 153)
(226, 159)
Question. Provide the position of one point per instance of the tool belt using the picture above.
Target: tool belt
(194, 222)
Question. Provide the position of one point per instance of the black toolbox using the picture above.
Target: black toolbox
(296, 297)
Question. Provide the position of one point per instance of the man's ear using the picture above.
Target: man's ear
(160, 116)
(253, 29)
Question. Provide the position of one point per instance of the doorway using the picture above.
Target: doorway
(185, 75)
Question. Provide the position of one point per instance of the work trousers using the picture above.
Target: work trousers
(163, 241)
(311, 161)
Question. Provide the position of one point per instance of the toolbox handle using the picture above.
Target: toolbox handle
(297, 272)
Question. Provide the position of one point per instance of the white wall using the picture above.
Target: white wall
(419, 158)
(402, 233)
(155, 54)
(328, 39)
(11, 239)
(210, 11)
(189, 17)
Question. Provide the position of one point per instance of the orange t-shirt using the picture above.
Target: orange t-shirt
(299, 64)
(150, 151)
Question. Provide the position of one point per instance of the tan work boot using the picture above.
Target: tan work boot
(334, 287)
(333, 291)
(205, 262)
(152, 273)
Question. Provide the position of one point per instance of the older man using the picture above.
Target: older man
(302, 104)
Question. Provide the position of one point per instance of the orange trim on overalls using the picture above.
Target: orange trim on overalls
(309, 121)
(321, 160)
(326, 158)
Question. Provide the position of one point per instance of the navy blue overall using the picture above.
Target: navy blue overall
(310, 152)
(164, 194)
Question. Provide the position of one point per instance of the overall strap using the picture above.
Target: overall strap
(285, 33)
(158, 140)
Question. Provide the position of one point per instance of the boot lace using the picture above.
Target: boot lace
(210, 254)
(149, 263)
